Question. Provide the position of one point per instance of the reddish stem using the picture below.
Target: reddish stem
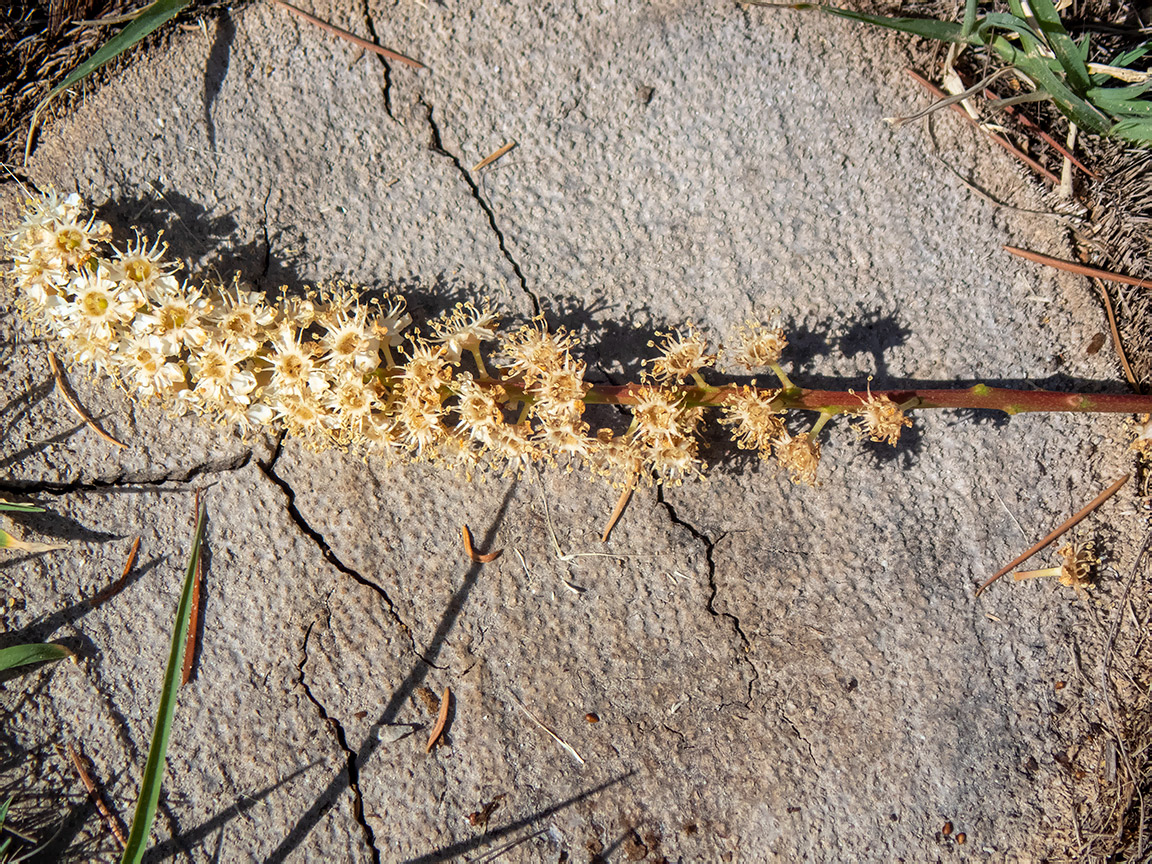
(980, 396)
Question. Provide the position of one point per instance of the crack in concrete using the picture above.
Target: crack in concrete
(436, 145)
(371, 26)
(796, 730)
(709, 547)
(341, 737)
(268, 468)
(267, 240)
(121, 481)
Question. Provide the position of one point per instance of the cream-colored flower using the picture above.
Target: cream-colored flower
(883, 418)
(241, 318)
(176, 314)
(800, 455)
(145, 366)
(682, 353)
(219, 377)
(756, 424)
(294, 366)
(389, 326)
(97, 307)
(759, 346)
(464, 328)
(348, 340)
(141, 266)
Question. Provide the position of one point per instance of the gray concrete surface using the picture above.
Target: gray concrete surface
(781, 673)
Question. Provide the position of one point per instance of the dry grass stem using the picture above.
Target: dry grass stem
(66, 391)
(1071, 523)
(493, 156)
(441, 718)
(1016, 152)
(351, 37)
(567, 747)
(110, 818)
(949, 100)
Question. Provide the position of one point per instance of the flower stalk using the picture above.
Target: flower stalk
(339, 370)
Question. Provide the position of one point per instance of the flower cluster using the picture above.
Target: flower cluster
(338, 370)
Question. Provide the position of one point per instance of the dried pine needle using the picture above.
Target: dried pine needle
(98, 799)
(66, 391)
(441, 719)
(494, 155)
(474, 556)
(618, 511)
(118, 586)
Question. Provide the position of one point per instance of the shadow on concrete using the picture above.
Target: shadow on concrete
(194, 836)
(447, 853)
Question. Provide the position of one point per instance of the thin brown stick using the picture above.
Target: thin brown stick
(1071, 523)
(474, 556)
(66, 391)
(1117, 345)
(1080, 269)
(110, 819)
(1016, 152)
(191, 640)
(117, 586)
(1031, 124)
(493, 156)
(441, 720)
(351, 37)
(621, 503)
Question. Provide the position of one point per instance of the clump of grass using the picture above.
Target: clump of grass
(1108, 98)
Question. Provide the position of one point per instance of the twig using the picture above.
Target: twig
(1080, 269)
(351, 37)
(66, 391)
(1003, 142)
(1071, 523)
(110, 818)
(568, 749)
(474, 556)
(441, 720)
(493, 156)
(117, 586)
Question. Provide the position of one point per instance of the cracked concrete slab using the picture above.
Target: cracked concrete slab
(777, 673)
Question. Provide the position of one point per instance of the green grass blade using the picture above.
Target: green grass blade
(20, 508)
(22, 655)
(1122, 101)
(969, 25)
(154, 768)
(1071, 106)
(1127, 57)
(1133, 130)
(1066, 51)
(148, 20)
(929, 28)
